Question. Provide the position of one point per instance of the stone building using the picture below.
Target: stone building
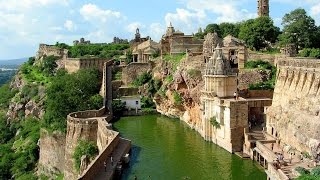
(176, 42)
(142, 53)
(233, 49)
(263, 8)
(82, 41)
(117, 40)
(225, 117)
(138, 39)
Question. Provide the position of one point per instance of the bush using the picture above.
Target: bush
(142, 79)
(84, 148)
(49, 65)
(215, 123)
(315, 172)
(310, 52)
(6, 95)
(178, 100)
(174, 60)
(258, 64)
(118, 107)
(194, 73)
(96, 102)
(147, 102)
(302, 170)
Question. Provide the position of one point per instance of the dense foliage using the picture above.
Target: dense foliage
(70, 93)
(178, 100)
(142, 79)
(84, 148)
(118, 107)
(97, 50)
(262, 65)
(300, 29)
(310, 52)
(258, 32)
(305, 174)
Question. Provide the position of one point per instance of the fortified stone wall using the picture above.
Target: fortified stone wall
(49, 50)
(180, 44)
(133, 70)
(294, 114)
(52, 152)
(80, 126)
(75, 64)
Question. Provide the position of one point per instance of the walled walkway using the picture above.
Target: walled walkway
(120, 150)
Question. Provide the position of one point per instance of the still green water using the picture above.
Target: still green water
(165, 148)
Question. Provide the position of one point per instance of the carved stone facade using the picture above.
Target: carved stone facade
(142, 53)
(233, 49)
(176, 42)
(224, 115)
(263, 8)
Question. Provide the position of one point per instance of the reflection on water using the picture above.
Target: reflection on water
(165, 148)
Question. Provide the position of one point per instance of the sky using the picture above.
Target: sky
(24, 24)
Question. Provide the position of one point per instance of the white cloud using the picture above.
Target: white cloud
(93, 12)
(315, 10)
(156, 30)
(69, 25)
(132, 27)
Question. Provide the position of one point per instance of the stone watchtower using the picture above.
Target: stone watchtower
(263, 8)
(137, 35)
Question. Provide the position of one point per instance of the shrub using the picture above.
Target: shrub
(84, 148)
(178, 100)
(302, 170)
(6, 95)
(310, 52)
(215, 123)
(315, 172)
(147, 102)
(258, 64)
(142, 79)
(169, 78)
(118, 107)
(194, 73)
(96, 102)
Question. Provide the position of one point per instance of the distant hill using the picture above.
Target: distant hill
(13, 61)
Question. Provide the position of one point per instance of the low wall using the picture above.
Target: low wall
(260, 93)
(75, 64)
(83, 115)
(275, 174)
(264, 57)
(267, 153)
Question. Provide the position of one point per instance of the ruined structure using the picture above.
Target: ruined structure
(176, 42)
(211, 41)
(51, 50)
(138, 39)
(117, 40)
(263, 8)
(82, 41)
(142, 53)
(233, 49)
(75, 64)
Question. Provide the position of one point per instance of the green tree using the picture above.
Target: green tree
(258, 32)
(211, 28)
(84, 148)
(229, 28)
(299, 29)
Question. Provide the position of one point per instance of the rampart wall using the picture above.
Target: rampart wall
(50, 50)
(75, 64)
(294, 114)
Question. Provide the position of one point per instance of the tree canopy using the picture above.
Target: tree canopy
(299, 29)
(257, 33)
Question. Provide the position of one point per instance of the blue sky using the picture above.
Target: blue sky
(26, 23)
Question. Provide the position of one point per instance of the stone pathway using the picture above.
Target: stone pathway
(119, 151)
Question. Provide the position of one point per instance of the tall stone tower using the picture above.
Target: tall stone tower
(263, 8)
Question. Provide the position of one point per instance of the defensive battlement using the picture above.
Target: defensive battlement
(51, 50)
(305, 63)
